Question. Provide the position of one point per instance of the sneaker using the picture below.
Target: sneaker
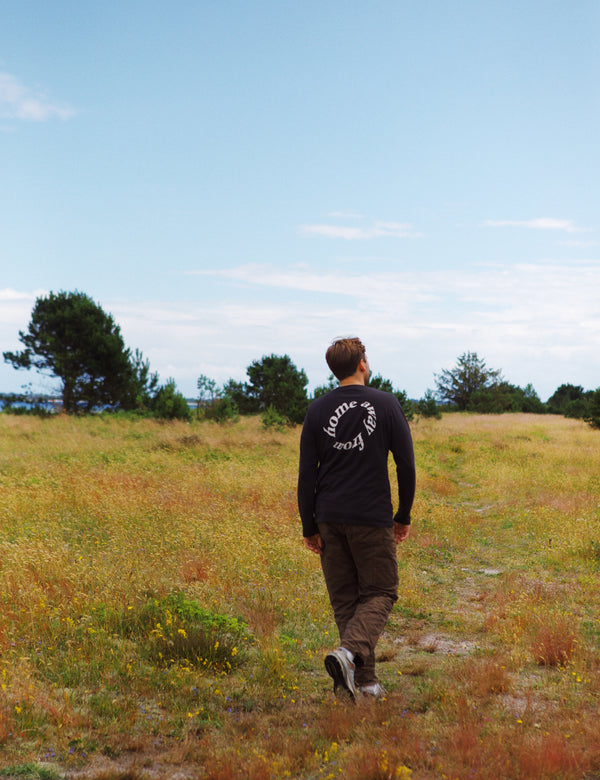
(373, 691)
(341, 669)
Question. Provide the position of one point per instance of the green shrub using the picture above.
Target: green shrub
(175, 629)
(169, 404)
(271, 418)
(427, 406)
(593, 413)
(221, 410)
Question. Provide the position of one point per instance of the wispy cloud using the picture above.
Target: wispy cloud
(538, 322)
(523, 292)
(8, 294)
(377, 230)
(18, 101)
(380, 288)
(15, 310)
(541, 223)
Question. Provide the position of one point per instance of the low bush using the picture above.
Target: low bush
(178, 630)
(271, 418)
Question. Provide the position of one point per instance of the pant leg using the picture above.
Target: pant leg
(341, 576)
(374, 551)
(361, 573)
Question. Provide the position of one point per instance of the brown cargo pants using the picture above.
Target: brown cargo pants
(361, 574)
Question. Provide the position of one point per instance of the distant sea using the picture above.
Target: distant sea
(50, 403)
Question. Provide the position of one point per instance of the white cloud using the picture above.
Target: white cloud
(542, 223)
(538, 322)
(383, 289)
(15, 308)
(527, 291)
(20, 102)
(13, 295)
(377, 230)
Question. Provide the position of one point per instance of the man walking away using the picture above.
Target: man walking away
(345, 503)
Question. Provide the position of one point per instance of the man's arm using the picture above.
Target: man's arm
(404, 457)
(307, 483)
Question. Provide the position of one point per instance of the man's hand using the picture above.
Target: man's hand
(401, 532)
(314, 543)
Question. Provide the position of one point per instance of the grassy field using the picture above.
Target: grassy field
(160, 617)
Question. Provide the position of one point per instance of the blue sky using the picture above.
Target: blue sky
(235, 179)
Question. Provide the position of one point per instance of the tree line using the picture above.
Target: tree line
(277, 388)
(473, 387)
(71, 338)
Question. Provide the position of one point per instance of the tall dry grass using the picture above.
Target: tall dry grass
(159, 615)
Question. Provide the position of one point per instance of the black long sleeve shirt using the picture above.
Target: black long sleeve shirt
(344, 446)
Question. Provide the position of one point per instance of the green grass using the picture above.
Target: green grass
(160, 615)
(30, 772)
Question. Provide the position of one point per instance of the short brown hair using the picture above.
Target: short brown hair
(343, 357)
